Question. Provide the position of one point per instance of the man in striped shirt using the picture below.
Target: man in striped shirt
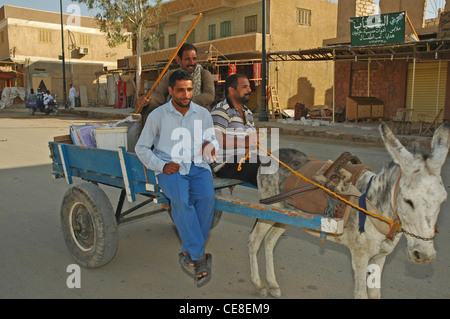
(236, 132)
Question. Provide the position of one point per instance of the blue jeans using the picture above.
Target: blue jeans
(192, 200)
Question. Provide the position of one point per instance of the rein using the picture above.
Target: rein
(395, 225)
(378, 216)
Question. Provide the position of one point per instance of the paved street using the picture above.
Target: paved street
(35, 259)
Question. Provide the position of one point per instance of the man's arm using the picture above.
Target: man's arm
(159, 95)
(210, 145)
(233, 141)
(146, 141)
(206, 98)
(230, 139)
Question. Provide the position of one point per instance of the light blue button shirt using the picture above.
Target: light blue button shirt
(176, 138)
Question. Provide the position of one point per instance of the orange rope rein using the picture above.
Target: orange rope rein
(390, 222)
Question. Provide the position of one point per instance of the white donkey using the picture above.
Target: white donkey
(409, 189)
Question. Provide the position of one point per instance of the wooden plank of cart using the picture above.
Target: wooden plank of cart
(90, 223)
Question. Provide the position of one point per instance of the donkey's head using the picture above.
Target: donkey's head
(420, 191)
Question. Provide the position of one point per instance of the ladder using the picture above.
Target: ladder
(213, 54)
(275, 110)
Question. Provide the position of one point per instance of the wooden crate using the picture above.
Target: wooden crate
(377, 111)
(363, 108)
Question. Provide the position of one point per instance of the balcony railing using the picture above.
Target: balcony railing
(246, 46)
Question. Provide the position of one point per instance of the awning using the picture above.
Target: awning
(5, 76)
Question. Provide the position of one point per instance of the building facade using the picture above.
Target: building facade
(412, 75)
(31, 39)
(229, 39)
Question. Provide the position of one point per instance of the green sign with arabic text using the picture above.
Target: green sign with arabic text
(378, 29)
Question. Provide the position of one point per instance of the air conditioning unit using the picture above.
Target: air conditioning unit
(83, 50)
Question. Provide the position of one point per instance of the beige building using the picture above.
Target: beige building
(408, 75)
(229, 35)
(32, 38)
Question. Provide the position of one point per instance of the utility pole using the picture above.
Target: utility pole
(63, 57)
(263, 115)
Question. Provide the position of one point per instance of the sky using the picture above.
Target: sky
(48, 5)
(53, 5)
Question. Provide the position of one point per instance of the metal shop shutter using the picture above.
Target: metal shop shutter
(426, 96)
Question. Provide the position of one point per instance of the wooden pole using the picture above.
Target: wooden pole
(170, 61)
(411, 26)
(334, 85)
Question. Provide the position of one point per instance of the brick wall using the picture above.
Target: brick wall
(387, 83)
(342, 86)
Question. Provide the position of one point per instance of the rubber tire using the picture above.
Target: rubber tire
(98, 229)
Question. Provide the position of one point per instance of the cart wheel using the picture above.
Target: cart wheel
(89, 226)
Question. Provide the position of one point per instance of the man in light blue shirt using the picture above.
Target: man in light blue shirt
(183, 137)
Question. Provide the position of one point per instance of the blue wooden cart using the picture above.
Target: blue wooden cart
(90, 223)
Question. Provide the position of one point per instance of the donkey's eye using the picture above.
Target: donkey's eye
(410, 203)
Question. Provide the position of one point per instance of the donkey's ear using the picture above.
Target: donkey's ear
(398, 152)
(439, 147)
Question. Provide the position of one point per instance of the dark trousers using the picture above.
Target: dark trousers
(247, 173)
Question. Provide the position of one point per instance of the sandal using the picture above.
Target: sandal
(187, 265)
(202, 266)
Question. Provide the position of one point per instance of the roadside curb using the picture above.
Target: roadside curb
(342, 132)
(337, 133)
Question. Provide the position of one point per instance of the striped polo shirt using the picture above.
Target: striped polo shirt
(227, 120)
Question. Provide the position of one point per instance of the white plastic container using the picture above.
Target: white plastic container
(111, 138)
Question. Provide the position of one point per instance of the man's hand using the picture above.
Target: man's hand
(143, 101)
(171, 168)
(252, 139)
(209, 152)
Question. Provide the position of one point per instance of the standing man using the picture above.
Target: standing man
(183, 138)
(236, 132)
(203, 83)
(72, 95)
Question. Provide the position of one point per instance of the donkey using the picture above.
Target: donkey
(409, 190)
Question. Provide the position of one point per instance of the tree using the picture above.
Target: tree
(127, 20)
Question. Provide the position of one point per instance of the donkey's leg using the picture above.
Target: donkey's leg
(269, 243)
(359, 263)
(374, 290)
(254, 242)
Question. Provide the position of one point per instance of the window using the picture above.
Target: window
(130, 43)
(161, 43)
(304, 17)
(45, 36)
(147, 46)
(211, 32)
(2, 36)
(251, 24)
(172, 40)
(191, 38)
(225, 29)
(84, 40)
